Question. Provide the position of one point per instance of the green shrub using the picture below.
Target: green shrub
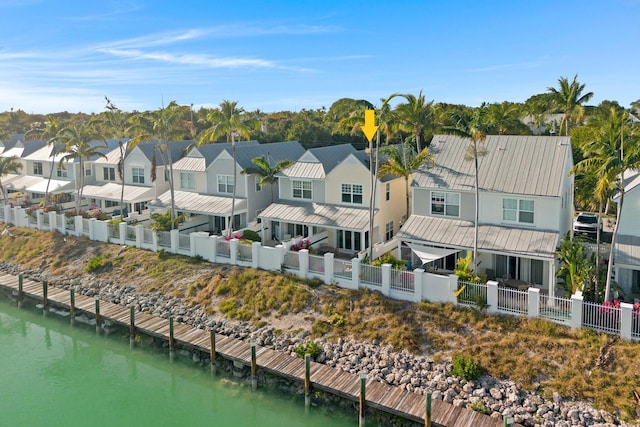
(97, 263)
(251, 235)
(338, 320)
(310, 347)
(479, 407)
(396, 264)
(465, 368)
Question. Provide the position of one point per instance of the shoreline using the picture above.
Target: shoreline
(411, 372)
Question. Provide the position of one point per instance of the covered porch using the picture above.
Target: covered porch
(107, 197)
(330, 228)
(515, 257)
(204, 212)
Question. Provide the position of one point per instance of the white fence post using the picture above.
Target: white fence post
(255, 254)
(77, 222)
(100, 231)
(154, 241)
(355, 272)
(303, 257)
(92, 229)
(39, 215)
(328, 267)
(174, 237)
(139, 235)
(122, 232)
(233, 251)
(533, 310)
(453, 287)
(52, 220)
(576, 311)
(626, 320)
(19, 216)
(213, 247)
(192, 244)
(7, 209)
(386, 279)
(492, 296)
(418, 277)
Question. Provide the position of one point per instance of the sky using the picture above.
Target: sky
(290, 55)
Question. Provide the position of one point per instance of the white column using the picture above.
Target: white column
(303, 257)
(418, 277)
(453, 287)
(492, 296)
(52, 220)
(328, 267)
(213, 247)
(39, 215)
(92, 229)
(233, 251)
(355, 273)
(139, 235)
(386, 279)
(533, 310)
(626, 320)
(174, 236)
(255, 254)
(576, 310)
(78, 224)
(552, 279)
(122, 232)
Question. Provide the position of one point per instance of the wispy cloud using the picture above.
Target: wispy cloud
(122, 9)
(191, 59)
(503, 67)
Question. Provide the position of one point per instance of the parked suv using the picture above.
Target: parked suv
(587, 223)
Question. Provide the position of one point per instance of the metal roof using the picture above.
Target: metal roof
(22, 182)
(273, 152)
(304, 170)
(203, 203)
(177, 150)
(627, 250)
(317, 214)
(112, 191)
(514, 164)
(53, 186)
(113, 156)
(459, 234)
(316, 163)
(196, 164)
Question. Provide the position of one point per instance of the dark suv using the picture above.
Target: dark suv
(587, 223)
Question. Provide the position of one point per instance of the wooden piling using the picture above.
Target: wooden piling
(427, 416)
(171, 340)
(363, 399)
(132, 325)
(98, 317)
(20, 291)
(254, 380)
(307, 381)
(45, 297)
(212, 350)
(72, 306)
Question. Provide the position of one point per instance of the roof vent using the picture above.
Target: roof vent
(502, 148)
(441, 141)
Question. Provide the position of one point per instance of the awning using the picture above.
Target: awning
(112, 191)
(54, 186)
(429, 254)
(203, 204)
(317, 214)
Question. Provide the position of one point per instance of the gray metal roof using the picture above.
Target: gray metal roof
(177, 150)
(212, 150)
(203, 204)
(273, 152)
(627, 251)
(318, 214)
(316, 163)
(196, 164)
(112, 191)
(459, 234)
(304, 170)
(514, 164)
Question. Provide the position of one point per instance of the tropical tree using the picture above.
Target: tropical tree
(229, 121)
(403, 161)
(165, 125)
(49, 133)
(608, 158)
(504, 119)
(472, 125)
(267, 172)
(568, 98)
(119, 125)
(80, 144)
(8, 165)
(575, 267)
(415, 116)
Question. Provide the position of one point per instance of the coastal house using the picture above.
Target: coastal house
(325, 196)
(525, 207)
(145, 175)
(626, 256)
(205, 183)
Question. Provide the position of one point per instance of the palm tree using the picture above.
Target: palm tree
(229, 121)
(503, 118)
(79, 145)
(8, 165)
(266, 172)
(607, 157)
(415, 116)
(472, 125)
(49, 132)
(119, 125)
(569, 98)
(403, 161)
(164, 125)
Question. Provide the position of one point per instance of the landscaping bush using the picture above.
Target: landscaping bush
(251, 235)
(310, 347)
(465, 368)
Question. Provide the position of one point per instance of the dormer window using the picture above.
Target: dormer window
(352, 193)
(301, 189)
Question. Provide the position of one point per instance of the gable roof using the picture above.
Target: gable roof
(316, 163)
(273, 153)
(200, 157)
(148, 148)
(514, 164)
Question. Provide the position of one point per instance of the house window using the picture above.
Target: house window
(109, 174)
(388, 235)
(537, 271)
(87, 172)
(387, 191)
(258, 186)
(445, 204)
(61, 171)
(301, 189)
(352, 193)
(111, 203)
(187, 181)
(137, 175)
(518, 210)
(225, 184)
(351, 240)
(37, 168)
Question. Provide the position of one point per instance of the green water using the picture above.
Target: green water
(56, 375)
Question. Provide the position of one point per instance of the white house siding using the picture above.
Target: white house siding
(350, 171)
(223, 165)
(422, 202)
(258, 200)
(491, 211)
(629, 222)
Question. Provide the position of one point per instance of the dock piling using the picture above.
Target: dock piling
(307, 381)
(45, 297)
(427, 417)
(20, 292)
(212, 351)
(132, 326)
(98, 317)
(363, 399)
(254, 380)
(171, 340)
(72, 306)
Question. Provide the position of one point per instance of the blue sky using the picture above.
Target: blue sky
(288, 55)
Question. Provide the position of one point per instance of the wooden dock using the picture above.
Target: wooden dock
(389, 399)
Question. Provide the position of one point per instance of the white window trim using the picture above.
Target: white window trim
(445, 203)
(517, 211)
(302, 189)
(226, 183)
(351, 193)
(191, 181)
(138, 175)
